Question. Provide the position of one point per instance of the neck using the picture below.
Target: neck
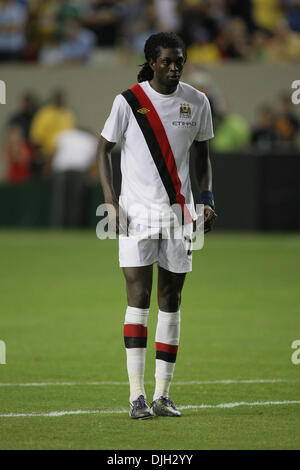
(161, 88)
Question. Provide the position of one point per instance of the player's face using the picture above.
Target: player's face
(168, 66)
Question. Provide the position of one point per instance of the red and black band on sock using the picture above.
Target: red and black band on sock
(159, 146)
(135, 336)
(166, 352)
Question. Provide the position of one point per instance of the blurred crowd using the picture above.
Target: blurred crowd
(44, 139)
(276, 126)
(71, 31)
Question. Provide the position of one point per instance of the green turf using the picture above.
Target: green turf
(62, 304)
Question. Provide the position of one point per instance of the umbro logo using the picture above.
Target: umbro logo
(143, 110)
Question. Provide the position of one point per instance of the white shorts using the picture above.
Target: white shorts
(169, 248)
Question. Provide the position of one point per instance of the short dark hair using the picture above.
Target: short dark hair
(152, 51)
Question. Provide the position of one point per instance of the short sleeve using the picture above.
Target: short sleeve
(116, 124)
(206, 127)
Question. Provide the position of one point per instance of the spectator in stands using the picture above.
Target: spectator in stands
(12, 30)
(47, 123)
(45, 29)
(42, 24)
(66, 10)
(284, 45)
(231, 130)
(216, 13)
(168, 18)
(259, 45)
(194, 15)
(292, 13)
(51, 53)
(131, 14)
(145, 26)
(74, 156)
(214, 30)
(287, 123)
(238, 43)
(264, 137)
(138, 20)
(221, 40)
(242, 9)
(203, 50)
(77, 46)
(232, 133)
(25, 113)
(78, 43)
(102, 17)
(267, 13)
(17, 156)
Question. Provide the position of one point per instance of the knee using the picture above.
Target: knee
(169, 299)
(138, 295)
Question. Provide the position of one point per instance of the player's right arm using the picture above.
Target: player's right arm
(105, 175)
(113, 131)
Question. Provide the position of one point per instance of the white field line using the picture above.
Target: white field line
(56, 414)
(193, 382)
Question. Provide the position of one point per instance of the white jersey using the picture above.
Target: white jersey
(157, 132)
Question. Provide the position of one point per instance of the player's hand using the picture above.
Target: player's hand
(119, 219)
(209, 218)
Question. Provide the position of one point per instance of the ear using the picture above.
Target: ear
(152, 64)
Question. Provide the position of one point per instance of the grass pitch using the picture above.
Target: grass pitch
(62, 301)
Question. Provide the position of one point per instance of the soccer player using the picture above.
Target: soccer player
(158, 120)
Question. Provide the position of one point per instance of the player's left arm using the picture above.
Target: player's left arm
(203, 172)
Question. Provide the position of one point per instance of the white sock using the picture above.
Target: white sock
(135, 338)
(166, 342)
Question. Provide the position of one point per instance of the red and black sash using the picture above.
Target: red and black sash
(158, 144)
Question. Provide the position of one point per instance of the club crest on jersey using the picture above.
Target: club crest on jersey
(185, 111)
(143, 110)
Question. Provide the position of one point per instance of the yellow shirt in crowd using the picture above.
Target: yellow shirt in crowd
(267, 13)
(48, 122)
